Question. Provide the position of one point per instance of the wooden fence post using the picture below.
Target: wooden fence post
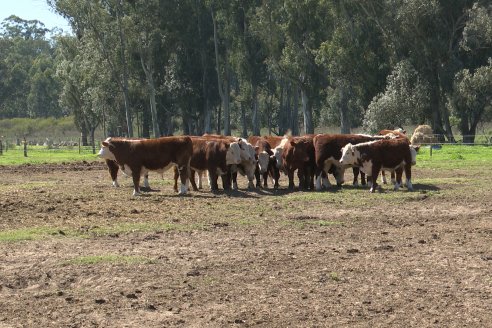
(1, 147)
(25, 147)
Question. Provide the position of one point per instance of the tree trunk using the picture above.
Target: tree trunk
(206, 115)
(243, 121)
(83, 137)
(307, 113)
(222, 86)
(344, 111)
(219, 119)
(281, 128)
(93, 141)
(125, 74)
(146, 122)
(256, 121)
(295, 112)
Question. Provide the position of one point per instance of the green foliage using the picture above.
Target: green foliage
(402, 103)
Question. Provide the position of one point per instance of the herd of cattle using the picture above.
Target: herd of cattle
(314, 157)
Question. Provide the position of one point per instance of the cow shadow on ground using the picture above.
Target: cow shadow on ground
(425, 187)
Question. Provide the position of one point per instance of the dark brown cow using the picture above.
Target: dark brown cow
(137, 157)
(328, 152)
(389, 154)
(215, 156)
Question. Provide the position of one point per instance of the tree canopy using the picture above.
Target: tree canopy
(149, 68)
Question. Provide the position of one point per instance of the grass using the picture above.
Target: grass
(41, 155)
(454, 156)
(110, 258)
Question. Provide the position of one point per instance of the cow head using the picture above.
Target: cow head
(263, 161)
(248, 152)
(233, 155)
(413, 151)
(106, 151)
(349, 155)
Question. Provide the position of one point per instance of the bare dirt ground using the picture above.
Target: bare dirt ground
(98, 257)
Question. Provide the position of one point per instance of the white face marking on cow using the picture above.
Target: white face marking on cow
(105, 153)
(349, 155)
(233, 155)
(263, 161)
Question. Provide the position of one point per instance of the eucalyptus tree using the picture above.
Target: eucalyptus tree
(102, 21)
(353, 61)
(28, 88)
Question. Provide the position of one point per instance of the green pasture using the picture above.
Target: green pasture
(41, 154)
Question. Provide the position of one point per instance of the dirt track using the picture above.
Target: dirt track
(344, 258)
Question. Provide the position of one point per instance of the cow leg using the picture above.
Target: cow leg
(192, 180)
(146, 181)
(265, 179)
(393, 178)
(356, 172)
(375, 173)
(383, 177)
(136, 181)
(258, 177)
(226, 180)
(200, 179)
(290, 176)
(362, 178)
(176, 176)
(113, 171)
(276, 177)
(408, 174)
(212, 176)
(398, 182)
(183, 175)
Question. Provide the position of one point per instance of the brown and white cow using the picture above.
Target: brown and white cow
(138, 157)
(388, 154)
(248, 161)
(328, 153)
(266, 165)
(396, 133)
(199, 159)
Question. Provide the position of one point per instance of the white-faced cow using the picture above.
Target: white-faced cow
(266, 164)
(388, 154)
(137, 157)
(328, 153)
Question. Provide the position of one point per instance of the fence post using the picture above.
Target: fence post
(431, 150)
(1, 146)
(25, 147)
(79, 144)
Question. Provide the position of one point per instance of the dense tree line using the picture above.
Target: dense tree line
(154, 67)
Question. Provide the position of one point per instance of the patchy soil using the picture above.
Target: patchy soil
(94, 256)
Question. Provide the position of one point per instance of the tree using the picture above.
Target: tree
(472, 97)
(403, 102)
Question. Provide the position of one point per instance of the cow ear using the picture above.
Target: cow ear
(292, 143)
(417, 148)
(257, 147)
(105, 143)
